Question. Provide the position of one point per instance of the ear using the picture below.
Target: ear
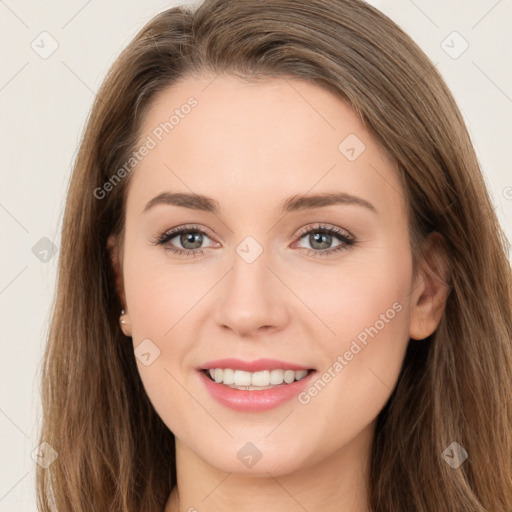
(431, 288)
(115, 260)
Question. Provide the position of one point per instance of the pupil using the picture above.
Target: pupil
(190, 238)
(323, 239)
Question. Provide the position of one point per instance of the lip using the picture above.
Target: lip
(257, 365)
(254, 401)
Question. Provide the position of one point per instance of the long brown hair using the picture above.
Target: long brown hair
(114, 452)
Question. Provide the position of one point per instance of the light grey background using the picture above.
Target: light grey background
(45, 102)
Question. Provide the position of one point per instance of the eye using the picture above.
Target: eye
(190, 238)
(321, 238)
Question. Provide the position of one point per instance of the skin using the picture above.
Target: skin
(250, 146)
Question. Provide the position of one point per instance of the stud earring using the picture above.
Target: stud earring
(123, 322)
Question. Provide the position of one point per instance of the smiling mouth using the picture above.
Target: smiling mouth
(254, 381)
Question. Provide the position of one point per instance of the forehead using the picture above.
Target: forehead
(258, 141)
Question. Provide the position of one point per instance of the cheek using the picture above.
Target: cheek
(160, 302)
(158, 293)
(164, 299)
(366, 297)
(367, 308)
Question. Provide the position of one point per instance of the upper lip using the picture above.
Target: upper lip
(252, 366)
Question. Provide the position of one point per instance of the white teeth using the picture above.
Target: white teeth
(261, 379)
(289, 376)
(229, 376)
(276, 377)
(241, 378)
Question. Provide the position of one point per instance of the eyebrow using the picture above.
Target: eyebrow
(292, 204)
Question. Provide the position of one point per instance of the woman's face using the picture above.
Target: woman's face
(262, 171)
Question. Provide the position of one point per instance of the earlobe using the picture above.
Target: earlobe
(124, 321)
(430, 292)
(115, 260)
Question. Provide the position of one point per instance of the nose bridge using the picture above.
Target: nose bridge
(250, 296)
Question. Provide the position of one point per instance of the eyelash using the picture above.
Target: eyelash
(342, 235)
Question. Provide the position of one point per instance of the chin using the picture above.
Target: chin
(255, 458)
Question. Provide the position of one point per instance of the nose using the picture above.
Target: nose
(253, 300)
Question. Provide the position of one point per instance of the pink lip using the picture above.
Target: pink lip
(254, 401)
(252, 366)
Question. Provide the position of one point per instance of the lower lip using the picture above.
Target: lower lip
(255, 401)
